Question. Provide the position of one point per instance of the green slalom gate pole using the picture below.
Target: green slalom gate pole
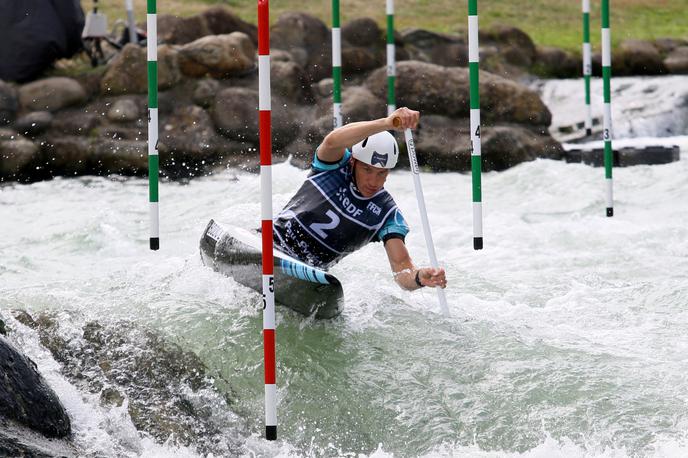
(587, 65)
(476, 167)
(336, 66)
(391, 60)
(153, 159)
(607, 77)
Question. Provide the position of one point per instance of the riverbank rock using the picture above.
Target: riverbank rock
(444, 144)
(637, 57)
(677, 60)
(437, 48)
(218, 56)
(51, 94)
(26, 397)
(16, 155)
(169, 392)
(213, 21)
(433, 89)
(9, 103)
(127, 73)
(308, 39)
(34, 123)
(551, 62)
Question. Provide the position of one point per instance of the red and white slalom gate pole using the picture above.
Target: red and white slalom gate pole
(264, 126)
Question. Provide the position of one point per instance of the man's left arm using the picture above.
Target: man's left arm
(405, 273)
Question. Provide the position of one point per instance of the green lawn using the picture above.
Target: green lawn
(548, 22)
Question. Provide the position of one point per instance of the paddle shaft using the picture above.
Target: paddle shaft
(415, 172)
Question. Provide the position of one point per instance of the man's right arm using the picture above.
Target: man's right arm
(335, 143)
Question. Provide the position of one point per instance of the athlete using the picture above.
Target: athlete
(342, 206)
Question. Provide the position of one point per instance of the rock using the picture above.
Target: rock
(553, 62)
(309, 41)
(506, 146)
(205, 92)
(189, 131)
(75, 122)
(667, 45)
(221, 21)
(26, 397)
(175, 30)
(677, 60)
(515, 46)
(363, 32)
(9, 103)
(127, 73)
(235, 114)
(433, 89)
(324, 88)
(123, 110)
(288, 80)
(15, 155)
(637, 57)
(444, 144)
(34, 123)
(170, 394)
(220, 56)
(121, 157)
(360, 60)
(437, 48)
(69, 155)
(51, 94)
(7, 134)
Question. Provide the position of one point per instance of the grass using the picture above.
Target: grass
(548, 22)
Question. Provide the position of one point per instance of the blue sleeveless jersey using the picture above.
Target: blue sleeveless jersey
(328, 218)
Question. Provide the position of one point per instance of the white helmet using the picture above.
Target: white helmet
(379, 150)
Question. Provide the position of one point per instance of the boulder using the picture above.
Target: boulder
(221, 21)
(123, 110)
(127, 73)
(289, 80)
(76, 122)
(68, 155)
(205, 92)
(219, 56)
(189, 132)
(356, 59)
(121, 157)
(363, 32)
(515, 46)
(51, 94)
(235, 114)
(667, 45)
(437, 48)
(34, 123)
(677, 60)
(26, 397)
(552, 62)
(507, 146)
(309, 41)
(433, 89)
(444, 144)
(637, 57)
(216, 20)
(176, 30)
(15, 155)
(9, 103)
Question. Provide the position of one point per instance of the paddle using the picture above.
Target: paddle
(415, 172)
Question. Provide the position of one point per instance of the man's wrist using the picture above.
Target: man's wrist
(417, 279)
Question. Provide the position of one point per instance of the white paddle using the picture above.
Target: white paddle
(411, 148)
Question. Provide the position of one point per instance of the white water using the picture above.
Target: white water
(568, 336)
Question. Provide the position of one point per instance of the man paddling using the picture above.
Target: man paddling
(342, 206)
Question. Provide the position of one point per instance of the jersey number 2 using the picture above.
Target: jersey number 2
(320, 228)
